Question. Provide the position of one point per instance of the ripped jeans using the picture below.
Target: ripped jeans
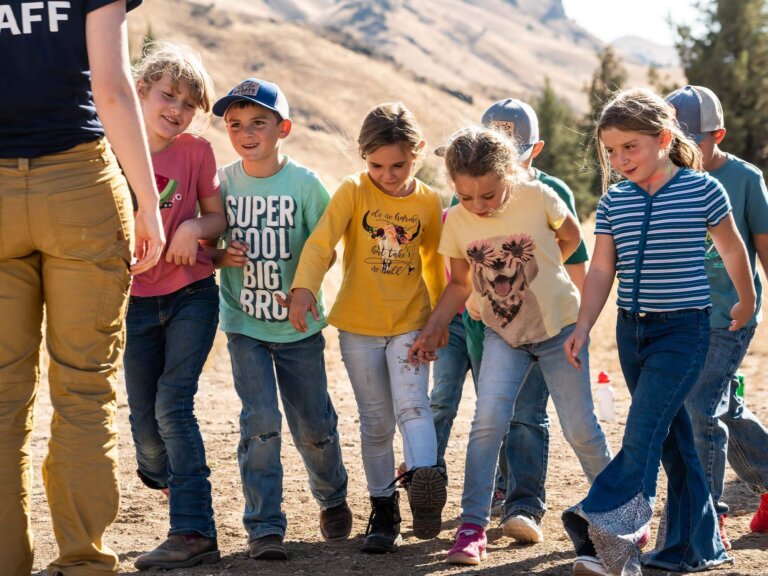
(389, 391)
(297, 370)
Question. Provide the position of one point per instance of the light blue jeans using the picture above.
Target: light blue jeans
(389, 390)
(722, 425)
(502, 373)
(297, 371)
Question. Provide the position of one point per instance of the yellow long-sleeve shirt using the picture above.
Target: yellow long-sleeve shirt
(392, 273)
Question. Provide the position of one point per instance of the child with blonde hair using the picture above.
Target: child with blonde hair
(650, 233)
(392, 276)
(507, 241)
(173, 309)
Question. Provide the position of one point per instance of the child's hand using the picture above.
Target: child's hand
(740, 314)
(184, 245)
(284, 302)
(236, 254)
(573, 345)
(150, 239)
(301, 302)
(424, 347)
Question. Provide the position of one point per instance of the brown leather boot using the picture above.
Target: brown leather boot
(336, 522)
(180, 551)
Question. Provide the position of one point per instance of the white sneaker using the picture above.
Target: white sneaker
(589, 566)
(523, 528)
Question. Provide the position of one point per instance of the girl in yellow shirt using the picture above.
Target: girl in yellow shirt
(392, 277)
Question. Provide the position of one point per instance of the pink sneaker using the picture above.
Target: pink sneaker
(469, 547)
(643, 542)
(759, 521)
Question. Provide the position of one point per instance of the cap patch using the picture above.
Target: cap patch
(247, 88)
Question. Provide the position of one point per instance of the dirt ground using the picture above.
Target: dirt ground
(143, 520)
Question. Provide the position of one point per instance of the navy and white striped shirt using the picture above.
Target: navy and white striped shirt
(660, 240)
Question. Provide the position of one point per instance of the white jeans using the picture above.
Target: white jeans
(389, 390)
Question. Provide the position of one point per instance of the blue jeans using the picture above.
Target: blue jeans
(297, 370)
(502, 373)
(722, 425)
(661, 356)
(450, 371)
(389, 391)
(168, 339)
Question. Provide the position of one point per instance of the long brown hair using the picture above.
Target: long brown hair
(643, 111)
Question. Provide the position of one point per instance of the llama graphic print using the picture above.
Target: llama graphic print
(503, 268)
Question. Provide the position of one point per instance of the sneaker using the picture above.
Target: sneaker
(645, 538)
(759, 521)
(589, 566)
(336, 522)
(524, 528)
(470, 545)
(269, 547)
(383, 532)
(723, 534)
(497, 503)
(180, 551)
(426, 496)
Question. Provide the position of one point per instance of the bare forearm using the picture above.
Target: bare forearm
(597, 287)
(738, 268)
(453, 298)
(209, 226)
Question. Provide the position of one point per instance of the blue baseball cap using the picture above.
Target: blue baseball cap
(261, 92)
(517, 120)
(698, 111)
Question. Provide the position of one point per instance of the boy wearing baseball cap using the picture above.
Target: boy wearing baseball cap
(722, 423)
(272, 205)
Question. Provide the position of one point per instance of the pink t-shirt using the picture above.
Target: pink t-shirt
(185, 172)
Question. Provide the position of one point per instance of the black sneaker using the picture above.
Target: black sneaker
(426, 496)
(383, 532)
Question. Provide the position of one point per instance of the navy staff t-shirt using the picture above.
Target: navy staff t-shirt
(46, 103)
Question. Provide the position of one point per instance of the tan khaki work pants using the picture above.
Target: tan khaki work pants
(66, 225)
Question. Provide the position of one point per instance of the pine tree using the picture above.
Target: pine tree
(562, 155)
(730, 57)
(608, 78)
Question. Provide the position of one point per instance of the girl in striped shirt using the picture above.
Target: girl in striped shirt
(651, 228)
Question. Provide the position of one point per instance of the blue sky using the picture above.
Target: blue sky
(609, 19)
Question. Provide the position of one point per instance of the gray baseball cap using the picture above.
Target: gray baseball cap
(517, 120)
(698, 111)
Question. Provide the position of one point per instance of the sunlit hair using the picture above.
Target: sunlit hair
(181, 64)
(390, 123)
(643, 111)
(475, 151)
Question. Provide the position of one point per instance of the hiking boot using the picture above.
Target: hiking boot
(383, 532)
(723, 535)
(523, 527)
(336, 522)
(470, 545)
(589, 566)
(269, 547)
(426, 497)
(180, 551)
(759, 521)
(497, 503)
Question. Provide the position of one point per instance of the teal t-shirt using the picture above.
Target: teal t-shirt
(746, 189)
(274, 216)
(580, 255)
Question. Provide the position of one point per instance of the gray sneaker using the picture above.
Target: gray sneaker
(180, 551)
(524, 528)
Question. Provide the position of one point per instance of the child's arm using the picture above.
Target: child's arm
(185, 243)
(568, 236)
(597, 287)
(318, 254)
(235, 255)
(731, 249)
(118, 108)
(433, 263)
(454, 296)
